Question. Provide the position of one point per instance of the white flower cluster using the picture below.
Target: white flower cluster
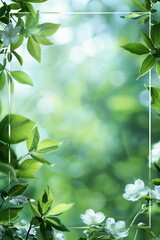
(58, 236)
(10, 34)
(155, 152)
(22, 229)
(116, 229)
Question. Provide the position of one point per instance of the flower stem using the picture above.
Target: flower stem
(28, 232)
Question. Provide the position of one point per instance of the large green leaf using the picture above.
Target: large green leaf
(56, 223)
(2, 80)
(47, 29)
(136, 48)
(18, 43)
(20, 126)
(41, 159)
(47, 145)
(0, 107)
(8, 170)
(7, 155)
(28, 168)
(42, 40)
(9, 214)
(34, 49)
(147, 40)
(34, 209)
(33, 140)
(155, 33)
(17, 189)
(147, 65)
(19, 58)
(21, 77)
(60, 208)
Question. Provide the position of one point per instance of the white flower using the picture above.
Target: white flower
(10, 34)
(91, 218)
(155, 152)
(156, 193)
(22, 229)
(116, 229)
(59, 236)
(134, 192)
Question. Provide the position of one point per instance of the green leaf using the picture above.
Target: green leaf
(41, 159)
(147, 41)
(134, 15)
(28, 168)
(19, 58)
(155, 94)
(17, 189)
(18, 43)
(30, 8)
(56, 223)
(136, 48)
(21, 128)
(2, 80)
(60, 208)
(7, 155)
(33, 140)
(140, 5)
(155, 33)
(34, 209)
(158, 68)
(21, 77)
(47, 29)
(42, 40)
(34, 49)
(156, 181)
(147, 65)
(47, 145)
(7, 170)
(9, 214)
(45, 203)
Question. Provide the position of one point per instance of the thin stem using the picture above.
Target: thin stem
(28, 232)
(2, 203)
(140, 212)
(136, 235)
(7, 185)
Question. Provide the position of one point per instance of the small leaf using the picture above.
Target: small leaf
(158, 68)
(47, 145)
(21, 77)
(155, 94)
(63, 207)
(19, 58)
(155, 32)
(41, 159)
(33, 140)
(34, 49)
(28, 168)
(134, 15)
(156, 181)
(48, 29)
(9, 215)
(2, 80)
(136, 48)
(17, 189)
(7, 170)
(21, 128)
(147, 65)
(147, 40)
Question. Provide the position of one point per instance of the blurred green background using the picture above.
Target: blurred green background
(86, 95)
